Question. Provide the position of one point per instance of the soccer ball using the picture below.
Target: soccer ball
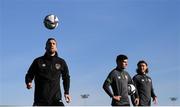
(131, 89)
(51, 21)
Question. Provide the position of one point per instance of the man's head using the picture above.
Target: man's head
(142, 67)
(122, 61)
(51, 46)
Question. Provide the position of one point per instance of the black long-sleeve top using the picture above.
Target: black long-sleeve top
(46, 72)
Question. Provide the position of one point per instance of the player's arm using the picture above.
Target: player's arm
(135, 82)
(129, 79)
(107, 83)
(66, 82)
(30, 75)
(152, 91)
(136, 95)
(153, 94)
(106, 87)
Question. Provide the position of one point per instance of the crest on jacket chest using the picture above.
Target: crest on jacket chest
(58, 66)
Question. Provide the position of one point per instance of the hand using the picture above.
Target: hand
(67, 98)
(29, 85)
(118, 98)
(136, 101)
(155, 100)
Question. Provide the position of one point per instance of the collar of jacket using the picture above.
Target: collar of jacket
(47, 56)
(120, 70)
(142, 74)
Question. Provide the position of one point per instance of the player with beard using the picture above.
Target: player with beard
(46, 72)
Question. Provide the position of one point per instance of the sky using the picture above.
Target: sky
(91, 33)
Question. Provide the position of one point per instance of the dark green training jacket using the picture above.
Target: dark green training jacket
(118, 80)
(145, 89)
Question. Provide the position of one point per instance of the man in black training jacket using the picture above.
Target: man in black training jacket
(46, 72)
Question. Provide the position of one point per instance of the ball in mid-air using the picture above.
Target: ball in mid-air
(131, 89)
(51, 21)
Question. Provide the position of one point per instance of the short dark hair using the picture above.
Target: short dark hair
(50, 39)
(138, 65)
(121, 57)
